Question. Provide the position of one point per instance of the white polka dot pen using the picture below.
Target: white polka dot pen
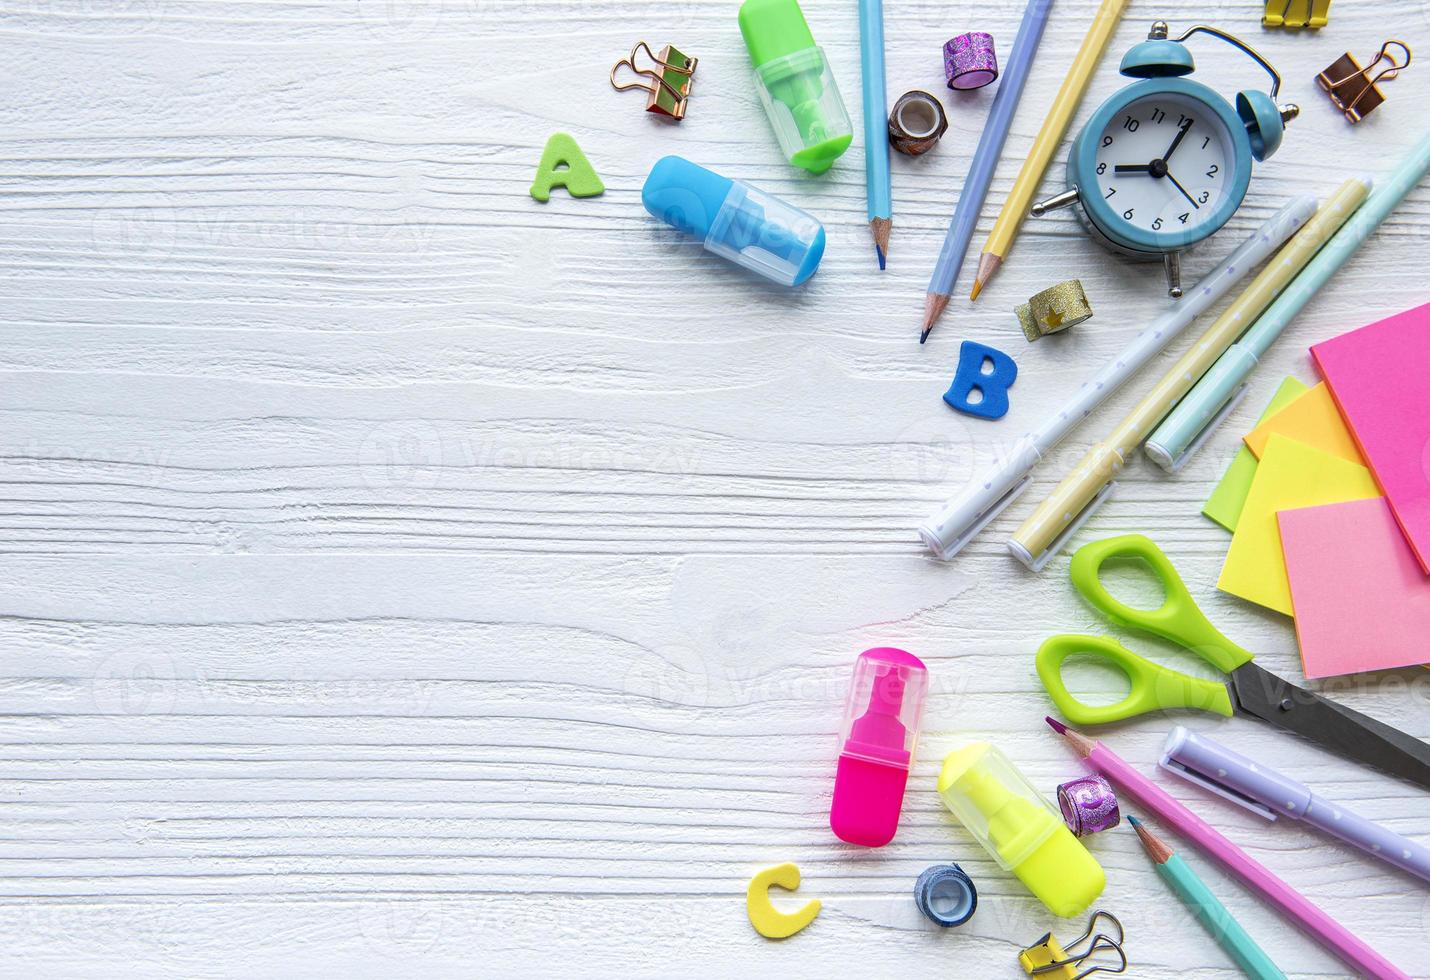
(1042, 533)
(962, 517)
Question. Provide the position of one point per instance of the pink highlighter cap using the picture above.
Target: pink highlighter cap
(876, 745)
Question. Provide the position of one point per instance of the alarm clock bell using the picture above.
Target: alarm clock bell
(1159, 215)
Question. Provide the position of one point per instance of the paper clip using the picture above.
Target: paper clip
(1296, 13)
(1353, 90)
(1049, 960)
(668, 89)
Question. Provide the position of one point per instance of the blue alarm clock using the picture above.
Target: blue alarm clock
(1166, 161)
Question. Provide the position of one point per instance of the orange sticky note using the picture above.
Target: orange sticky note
(1313, 419)
(1290, 475)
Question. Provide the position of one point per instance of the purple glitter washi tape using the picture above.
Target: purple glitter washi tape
(1089, 805)
(969, 60)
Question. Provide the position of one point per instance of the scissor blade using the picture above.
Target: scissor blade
(1334, 726)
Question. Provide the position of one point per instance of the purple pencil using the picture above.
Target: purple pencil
(1335, 937)
(985, 158)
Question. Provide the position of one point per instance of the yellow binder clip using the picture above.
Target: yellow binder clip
(667, 84)
(1047, 959)
(1296, 13)
(1353, 89)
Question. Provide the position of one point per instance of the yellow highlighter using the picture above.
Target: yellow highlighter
(1019, 828)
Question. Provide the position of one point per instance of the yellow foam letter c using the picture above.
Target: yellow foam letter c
(769, 921)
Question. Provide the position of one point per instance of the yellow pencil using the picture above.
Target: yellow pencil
(1005, 229)
(1105, 458)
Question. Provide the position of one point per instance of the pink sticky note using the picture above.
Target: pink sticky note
(1380, 377)
(1361, 600)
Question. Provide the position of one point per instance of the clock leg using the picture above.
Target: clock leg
(1062, 200)
(1173, 262)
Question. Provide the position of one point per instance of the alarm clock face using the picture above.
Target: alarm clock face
(1164, 167)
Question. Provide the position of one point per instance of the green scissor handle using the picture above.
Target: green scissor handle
(1178, 619)
(1152, 687)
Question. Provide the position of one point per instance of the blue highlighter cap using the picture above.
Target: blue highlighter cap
(735, 221)
(685, 195)
(811, 258)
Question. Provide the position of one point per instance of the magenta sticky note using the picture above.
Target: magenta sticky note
(1380, 377)
(1361, 601)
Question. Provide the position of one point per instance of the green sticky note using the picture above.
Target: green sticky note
(564, 165)
(1225, 503)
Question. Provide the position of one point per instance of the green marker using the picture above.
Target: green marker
(795, 84)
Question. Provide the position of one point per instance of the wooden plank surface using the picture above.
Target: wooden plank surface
(402, 577)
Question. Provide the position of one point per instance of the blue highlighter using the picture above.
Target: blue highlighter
(736, 221)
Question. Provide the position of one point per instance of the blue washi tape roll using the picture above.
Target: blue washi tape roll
(946, 895)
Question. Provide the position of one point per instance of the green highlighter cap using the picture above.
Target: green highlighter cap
(795, 84)
(773, 29)
(1020, 829)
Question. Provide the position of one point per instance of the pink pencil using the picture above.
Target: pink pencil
(1315, 923)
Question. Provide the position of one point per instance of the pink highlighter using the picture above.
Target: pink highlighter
(881, 726)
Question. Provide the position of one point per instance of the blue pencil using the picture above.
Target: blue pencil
(985, 158)
(876, 125)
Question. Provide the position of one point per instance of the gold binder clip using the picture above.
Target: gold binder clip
(667, 85)
(1353, 90)
(1296, 13)
(1048, 959)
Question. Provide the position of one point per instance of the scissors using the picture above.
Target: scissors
(1249, 690)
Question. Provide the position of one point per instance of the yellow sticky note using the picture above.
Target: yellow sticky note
(1313, 419)
(1224, 505)
(1291, 474)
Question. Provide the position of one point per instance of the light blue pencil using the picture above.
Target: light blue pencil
(876, 125)
(985, 158)
(1225, 928)
(1169, 445)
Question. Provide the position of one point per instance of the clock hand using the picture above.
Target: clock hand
(1179, 187)
(1177, 140)
(1132, 168)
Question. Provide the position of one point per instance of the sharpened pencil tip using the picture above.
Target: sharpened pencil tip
(1056, 725)
(1133, 820)
(881, 228)
(934, 304)
(988, 264)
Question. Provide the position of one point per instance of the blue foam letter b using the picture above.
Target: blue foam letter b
(992, 385)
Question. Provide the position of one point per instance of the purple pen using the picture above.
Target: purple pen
(1262, 790)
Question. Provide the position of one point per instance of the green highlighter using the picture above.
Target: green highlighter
(795, 84)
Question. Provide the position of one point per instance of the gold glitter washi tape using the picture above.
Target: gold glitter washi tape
(917, 123)
(1055, 308)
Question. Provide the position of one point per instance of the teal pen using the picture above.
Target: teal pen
(1177, 437)
(1211, 913)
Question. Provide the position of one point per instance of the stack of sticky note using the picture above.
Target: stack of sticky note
(1328, 502)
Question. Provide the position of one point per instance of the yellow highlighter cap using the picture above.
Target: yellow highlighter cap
(1019, 828)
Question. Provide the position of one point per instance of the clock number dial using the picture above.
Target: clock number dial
(1165, 158)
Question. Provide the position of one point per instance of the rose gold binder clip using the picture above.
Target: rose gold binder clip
(1353, 89)
(667, 84)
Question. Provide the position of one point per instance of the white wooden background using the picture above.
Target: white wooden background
(405, 578)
